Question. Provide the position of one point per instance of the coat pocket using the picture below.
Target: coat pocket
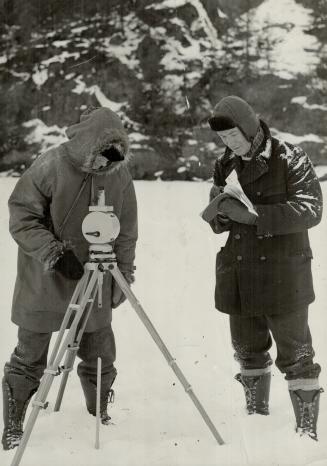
(226, 290)
(277, 285)
(221, 259)
(303, 255)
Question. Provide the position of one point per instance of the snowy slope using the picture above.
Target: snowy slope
(155, 421)
(160, 54)
(286, 21)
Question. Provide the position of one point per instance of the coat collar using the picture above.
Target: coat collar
(257, 166)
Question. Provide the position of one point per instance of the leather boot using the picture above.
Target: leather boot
(13, 416)
(106, 397)
(256, 389)
(306, 409)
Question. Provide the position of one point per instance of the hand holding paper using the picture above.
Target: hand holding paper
(236, 192)
(231, 202)
(237, 211)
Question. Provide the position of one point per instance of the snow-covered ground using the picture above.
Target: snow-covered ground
(155, 422)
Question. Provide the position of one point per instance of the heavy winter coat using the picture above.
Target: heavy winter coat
(47, 208)
(266, 268)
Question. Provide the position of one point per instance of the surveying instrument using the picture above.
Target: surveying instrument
(100, 228)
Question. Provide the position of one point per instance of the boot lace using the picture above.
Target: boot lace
(307, 417)
(109, 398)
(13, 433)
(250, 391)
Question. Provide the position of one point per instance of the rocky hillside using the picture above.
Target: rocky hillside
(162, 65)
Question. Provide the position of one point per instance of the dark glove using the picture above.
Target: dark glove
(236, 211)
(69, 266)
(222, 218)
(117, 296)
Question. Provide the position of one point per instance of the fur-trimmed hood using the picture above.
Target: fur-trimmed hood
(97, 131)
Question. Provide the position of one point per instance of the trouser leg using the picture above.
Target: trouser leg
(27, 363)
(294, 349)
(251, 341)
(21, 379)
(295, 359)
(100, 343)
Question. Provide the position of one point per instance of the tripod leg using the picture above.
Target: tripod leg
(164, 350)
(80, 288)
(51, 371)
(72, 349)
(97, 425)
(68, 366)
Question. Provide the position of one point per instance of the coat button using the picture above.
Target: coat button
(258, 193)
(239, 258)
(260, 237)
(237, 236)
(263, 258)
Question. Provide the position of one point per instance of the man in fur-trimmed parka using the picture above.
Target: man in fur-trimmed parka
(47, 208)
(263, 274)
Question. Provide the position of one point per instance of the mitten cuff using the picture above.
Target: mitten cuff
(129, 277)
(56, 251)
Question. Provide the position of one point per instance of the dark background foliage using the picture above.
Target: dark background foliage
(176, 143)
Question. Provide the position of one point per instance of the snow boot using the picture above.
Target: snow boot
(13, 416)
(256, 389)
(107, 396)
(306, 409)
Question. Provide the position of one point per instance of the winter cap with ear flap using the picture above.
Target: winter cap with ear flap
(231, 112)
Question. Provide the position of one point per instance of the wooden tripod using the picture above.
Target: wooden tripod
(77, 313)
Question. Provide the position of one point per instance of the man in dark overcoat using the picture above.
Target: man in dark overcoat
(47, 208)
(263, 273)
